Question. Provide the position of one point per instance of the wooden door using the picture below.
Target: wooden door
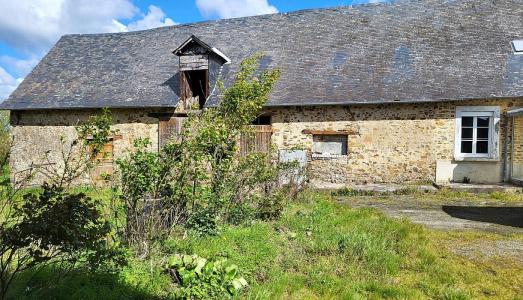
(259, 140)
(103, 168)
(169, 129)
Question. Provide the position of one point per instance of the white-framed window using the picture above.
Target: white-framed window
(477, 132)
(329, 145)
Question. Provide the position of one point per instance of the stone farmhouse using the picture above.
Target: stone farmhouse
(420, 90)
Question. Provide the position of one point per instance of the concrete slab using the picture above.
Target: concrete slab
(482, 188)
(463, 215)
(375, 187)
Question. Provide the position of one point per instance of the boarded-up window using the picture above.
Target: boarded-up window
(169, 129)
(257, 140)
(326, 145)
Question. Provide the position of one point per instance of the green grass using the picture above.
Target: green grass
(443, 196)
(4, 175)
(319, 249)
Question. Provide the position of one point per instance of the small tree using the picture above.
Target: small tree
(197, 178)
(53, 226)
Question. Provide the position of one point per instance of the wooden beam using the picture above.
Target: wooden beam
(111, 137)
(330, 132)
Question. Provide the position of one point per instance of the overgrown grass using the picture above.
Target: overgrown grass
(319, 249)
(4, 175)
(349, 192)
(435, 197)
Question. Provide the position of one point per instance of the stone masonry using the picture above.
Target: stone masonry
(37, 132)
(387, 143)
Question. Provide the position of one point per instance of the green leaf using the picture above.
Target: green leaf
(231, 271)
(174, 261)
(200, 263)
(187, 259)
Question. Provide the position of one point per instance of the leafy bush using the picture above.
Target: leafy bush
(203, 221)
(270, 207)
(241, 213)
(56, 227)
(198, 278)
(5, 139)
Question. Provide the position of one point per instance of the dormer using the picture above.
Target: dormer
(195, 56)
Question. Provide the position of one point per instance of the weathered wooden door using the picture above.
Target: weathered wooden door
(169, 128)
(259, 140)
(103, 164)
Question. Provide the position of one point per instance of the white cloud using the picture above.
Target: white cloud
(155, 17)
(7, 84)
(32, 26)
(234, 8)
(18, 67)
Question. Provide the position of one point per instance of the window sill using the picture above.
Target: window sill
(327, 156)
(477, 159)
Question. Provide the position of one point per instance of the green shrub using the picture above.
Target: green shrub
(241, 213)
(5, 139)
(203, 221)
(270, 207)
(198, 278)
(55, 227)
(52, 226)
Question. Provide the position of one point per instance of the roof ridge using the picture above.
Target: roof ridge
(236, 19)
(401, 51)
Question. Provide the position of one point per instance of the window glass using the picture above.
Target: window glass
(466, 147)
(483, 121)
(483, 133)
(482, 147)
(466, 133)
(475, 135)
(467, 121)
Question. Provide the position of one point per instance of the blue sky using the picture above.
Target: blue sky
(29, 28)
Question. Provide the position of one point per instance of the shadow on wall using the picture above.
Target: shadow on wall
(508, 216)
(476, 172)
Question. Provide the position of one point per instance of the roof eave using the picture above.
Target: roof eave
(178, 51)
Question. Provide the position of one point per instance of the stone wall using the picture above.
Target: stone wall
(36, 133)
(517, 148)
(387, 142)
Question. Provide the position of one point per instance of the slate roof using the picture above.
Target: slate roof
(415, 51)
